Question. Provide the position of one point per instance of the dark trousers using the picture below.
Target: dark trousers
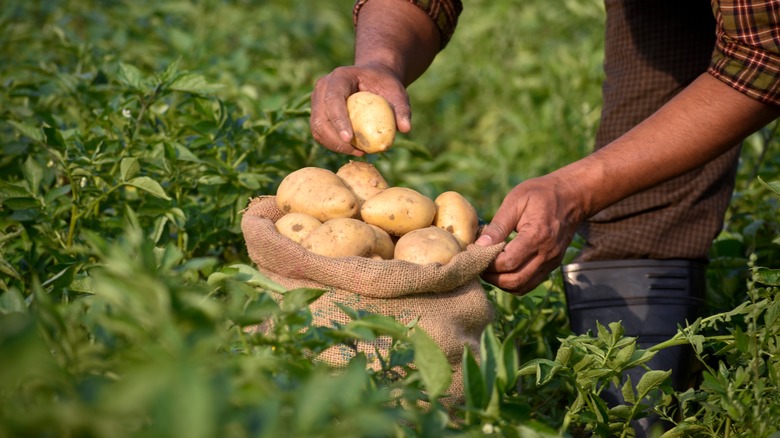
(653, 50)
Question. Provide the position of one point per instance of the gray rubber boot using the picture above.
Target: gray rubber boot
(650, 298)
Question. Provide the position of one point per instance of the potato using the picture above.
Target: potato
(341, 237)
(427, 245)
(362, 178)
(296, 226)
(384, 246)
(398, 210)
(373, 122)
(317, 192)
(455, 214)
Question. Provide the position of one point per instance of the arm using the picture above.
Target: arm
(395, 42)
(700, 123)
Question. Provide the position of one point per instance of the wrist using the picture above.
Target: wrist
(580, 185)
(397, 35)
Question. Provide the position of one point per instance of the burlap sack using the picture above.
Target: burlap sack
(449, 300)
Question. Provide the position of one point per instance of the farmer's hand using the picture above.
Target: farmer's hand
(545, 212)
(329, 121)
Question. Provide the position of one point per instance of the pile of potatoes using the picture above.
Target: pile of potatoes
(353, 212)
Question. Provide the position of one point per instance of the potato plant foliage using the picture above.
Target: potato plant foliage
(132, 134)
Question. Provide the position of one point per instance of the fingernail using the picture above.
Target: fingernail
(345, 136)
(484, 240)
(406, 123)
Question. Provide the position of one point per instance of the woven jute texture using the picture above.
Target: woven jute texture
(449, 300)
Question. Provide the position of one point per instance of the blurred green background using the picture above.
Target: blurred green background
(515, 94)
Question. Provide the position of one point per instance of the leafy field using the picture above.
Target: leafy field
(134, 133)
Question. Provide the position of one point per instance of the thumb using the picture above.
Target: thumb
(495, 232)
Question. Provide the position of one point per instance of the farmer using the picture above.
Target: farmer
(685, 83)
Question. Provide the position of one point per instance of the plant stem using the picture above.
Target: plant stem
(74, 217)
(94, 204)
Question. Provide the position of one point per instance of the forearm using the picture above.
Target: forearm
(396, 35)
(699, 124)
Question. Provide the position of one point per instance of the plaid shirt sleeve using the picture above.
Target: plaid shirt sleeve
(747, 48)
(444, 14)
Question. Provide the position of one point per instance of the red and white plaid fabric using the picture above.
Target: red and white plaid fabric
(747, 49)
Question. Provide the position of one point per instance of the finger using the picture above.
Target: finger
(335, 102)
(521, 282)
(326, 135)
(403, 112)
(322, 127)
(516, 254)
(501, 226)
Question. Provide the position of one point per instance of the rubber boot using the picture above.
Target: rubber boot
(650, 298)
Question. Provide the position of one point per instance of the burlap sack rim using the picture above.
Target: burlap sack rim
(274, 252)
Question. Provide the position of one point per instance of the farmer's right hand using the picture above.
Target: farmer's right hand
(329, 121)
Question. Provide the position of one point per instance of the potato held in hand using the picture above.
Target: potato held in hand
(317, 192)
(455, 214)
(341, 237)
(373, 122)
(427, 245)
(398, 210)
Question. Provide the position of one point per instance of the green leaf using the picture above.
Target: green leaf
(299, 298)
(741, 340)
(650, 380)
(82, 284)
(12, 301)
(384, 325)
(770, 318)
(509, 362)
(625, 355)
(599, 408)
(28, 131)
(628, 391)
(130, 75)
(418, 149)
(128, 168)
(434, 368)
(171, 70)
(711, 383)
(54, 137)
(621, 411)
(544, 369)
(33, 174)
(253, 277)
(159, 228)
(193, 83)
(577, 404)
(55, 193)
(8, 269)
(563, 355)
(473, 385)
(257, 311)
(772, 185)
(617, 331)
(602, 333)
(212, 180)
(184, 154)
(351, 312)
(14, 189)
(149, 185)
(769, 277)
(490, 356)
